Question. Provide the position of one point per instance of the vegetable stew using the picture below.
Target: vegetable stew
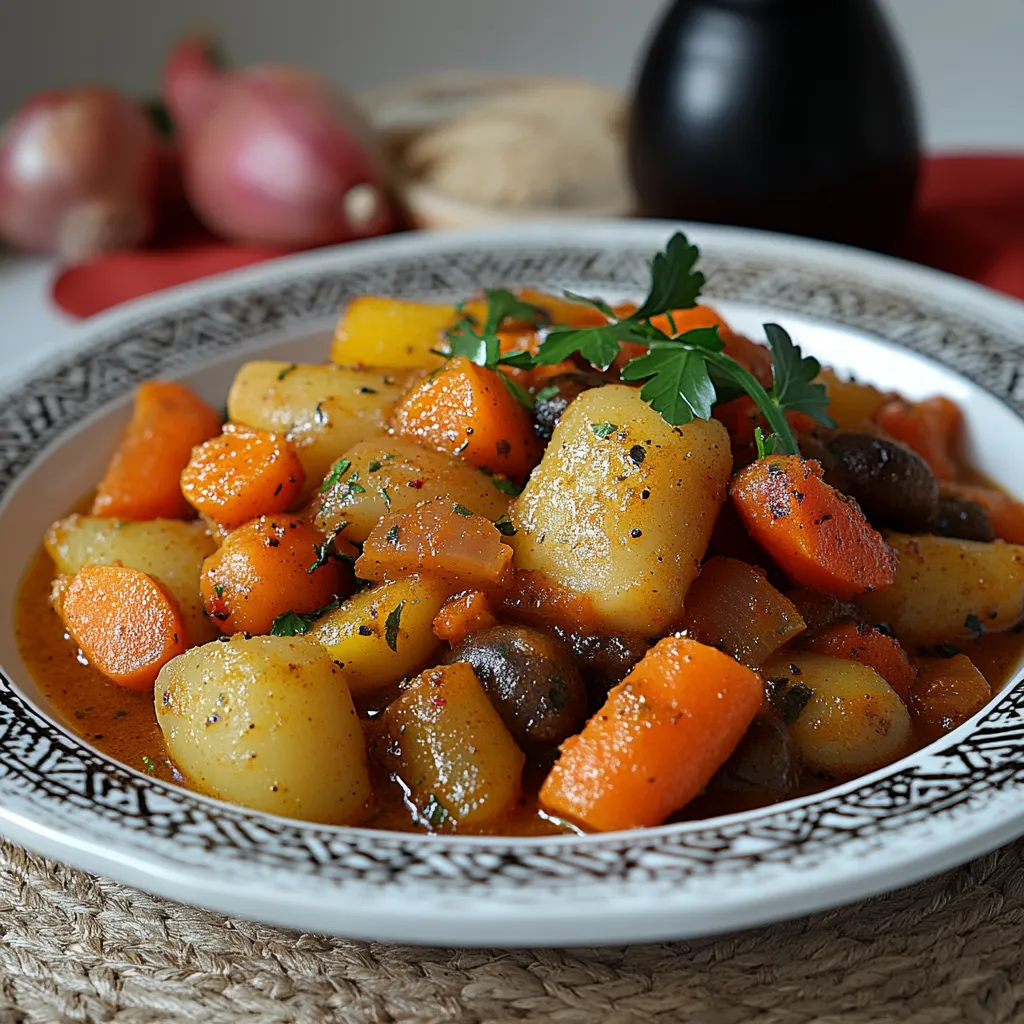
(547, 565)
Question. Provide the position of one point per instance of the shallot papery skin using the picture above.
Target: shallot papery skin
(274, 155)
(78, 174)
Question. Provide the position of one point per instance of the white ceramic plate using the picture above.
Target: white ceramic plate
(894, 324)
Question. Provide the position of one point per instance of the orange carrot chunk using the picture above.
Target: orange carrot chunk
(467, 410)
(932, 428)
(661, 735)
(266, 568)
(948, 691)
(815, 534)
(126, 624)
(438, 538)
(463, 615)
(143, 479)
(1005, 514)
(869, 646)
(240, 474)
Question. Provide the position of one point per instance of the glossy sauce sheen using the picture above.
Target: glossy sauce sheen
(121, 723)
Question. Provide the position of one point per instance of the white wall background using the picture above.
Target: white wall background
(967, 58)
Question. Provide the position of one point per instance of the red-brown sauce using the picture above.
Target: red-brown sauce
(122, 724)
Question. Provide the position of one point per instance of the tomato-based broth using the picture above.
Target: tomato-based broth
(121, 723)
(525, 565)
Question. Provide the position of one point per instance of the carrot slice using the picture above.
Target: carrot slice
(815, 534)
(467, 410)
(143, 479)
(463, 615)
(241, 474)
(856, 642)
(1005, 514)
(126, 624)
(932, 428)
(659, 738)
(266, 568)
(439, 538)
(948, 691)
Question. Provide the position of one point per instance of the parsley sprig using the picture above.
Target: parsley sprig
(481, 345)
(685, 375)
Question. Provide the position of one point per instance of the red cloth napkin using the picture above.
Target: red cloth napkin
(969, 221)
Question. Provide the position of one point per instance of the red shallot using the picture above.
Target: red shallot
(78, 173)
(274, 155)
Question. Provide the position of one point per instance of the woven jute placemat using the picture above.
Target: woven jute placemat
(79, 948)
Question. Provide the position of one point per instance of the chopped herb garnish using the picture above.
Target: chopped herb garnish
(482, 345)
(603, 429)
(506, 486)
(338, 470)
(434, 812)
(546, 393)
(219, 590)
(374, 466)
(975, 626)
(324, 553)
(387, 498)
(637, 454)
(686, 375)
(391, 624)
(789, 700)
(148, 762)
(461, 510)
(288, 369)
(298, 623)
(320, 415)
(765, 445)
(505, 526)
(391, 537)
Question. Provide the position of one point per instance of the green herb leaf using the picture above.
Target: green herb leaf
(434, 812)
(373, 466)
(391, 537)
(598, 345)
(502, 305)
(324, 553)
(338, 470)
(546, 393)
(674, 282)
(794, 388)
(461, 510)
(219, 590)
(463, 340)
(288, 369)
(148, 762)
(293, 623)
(789, 699)
(506, 486)
(765, 445)
(603, 430)
(516, 390)
(599, 304)
(387, 498)
(504, 526)
(290, 624)
(678, 386)
(391, 625)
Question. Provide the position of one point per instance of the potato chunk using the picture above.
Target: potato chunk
(621, 507)
(266, 722)
(395, 474)
(947, 590)
(853, 721)
(385, 633)
(321, 410)
(453, 750)
(170, 550)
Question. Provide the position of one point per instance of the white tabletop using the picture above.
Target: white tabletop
(31, 325)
